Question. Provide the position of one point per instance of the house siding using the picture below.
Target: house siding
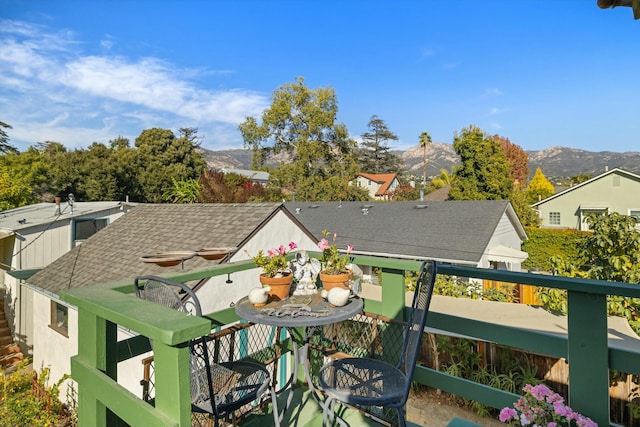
(616, 192)
(505, 235)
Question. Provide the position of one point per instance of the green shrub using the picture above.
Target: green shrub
(19, 406)
(545, 243)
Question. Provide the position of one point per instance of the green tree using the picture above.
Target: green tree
(162, 157)
(610, 252)
(183, 191)
(580, 178)
(374, 154)
(425, 141)
(301, 125)
(527, 215)
(441, 180)
(539, 188)
(484, 173)
(5, 147)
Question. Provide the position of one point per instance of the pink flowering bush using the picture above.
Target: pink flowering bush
(274, 263)
(542, 407)
(333, 262)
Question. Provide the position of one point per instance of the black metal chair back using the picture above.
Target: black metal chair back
(416, 321)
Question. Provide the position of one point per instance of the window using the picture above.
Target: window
(554, 218)
(85, 228)
(59, 318)
(636, 214)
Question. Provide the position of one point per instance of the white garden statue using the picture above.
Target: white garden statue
(305, 271)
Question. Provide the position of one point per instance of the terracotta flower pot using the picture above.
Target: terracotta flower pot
(280, 286)
(330, 281)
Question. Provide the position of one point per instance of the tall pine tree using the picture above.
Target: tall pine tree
(374, 154)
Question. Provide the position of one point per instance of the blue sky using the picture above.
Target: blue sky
(541, 73)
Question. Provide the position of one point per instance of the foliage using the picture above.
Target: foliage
(183, 191)
(527, 215)
(452, 286)
(220, 187)
(5, 147)
(100, 172)
(610, 252)
(539, 188)
(20, 407)
(441, 180)
(374, 154)
(332, 261)
(425, 142)
(15, 190)
(517, 158)
(580, 178)
(544, 243)
(161, 157)
(405, 192)
(274, 263)
(484, 173)
(542, 407)
(301, 125)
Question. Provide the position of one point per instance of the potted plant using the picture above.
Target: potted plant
(275, 270)
(334, 264)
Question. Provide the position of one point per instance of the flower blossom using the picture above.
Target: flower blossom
(323, 244)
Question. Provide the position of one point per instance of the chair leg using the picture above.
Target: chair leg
(274, 406)
(402, 421)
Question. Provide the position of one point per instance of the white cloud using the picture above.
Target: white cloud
(53, 91)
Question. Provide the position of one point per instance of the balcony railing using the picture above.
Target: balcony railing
(104, 307)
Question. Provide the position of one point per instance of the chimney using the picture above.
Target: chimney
(57, 212)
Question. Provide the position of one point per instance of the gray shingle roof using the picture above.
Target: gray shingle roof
(114, 252)
(443, 230)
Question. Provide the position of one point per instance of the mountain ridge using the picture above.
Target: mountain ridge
(555, 161)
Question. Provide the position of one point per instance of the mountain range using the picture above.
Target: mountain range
(555, 162)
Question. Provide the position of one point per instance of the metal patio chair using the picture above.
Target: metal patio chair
(218, 389)
(362, 382)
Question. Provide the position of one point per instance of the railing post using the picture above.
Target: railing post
(393, 290)
(173, 381)
(588, 355)
(97, 346)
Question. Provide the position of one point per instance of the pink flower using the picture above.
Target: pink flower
(292, 246)
(282, 249)
(350, 248)
(323, 244)
(508, 414)
(552, 424)
(273, 252)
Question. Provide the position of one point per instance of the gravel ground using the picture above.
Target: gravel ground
(430, 410)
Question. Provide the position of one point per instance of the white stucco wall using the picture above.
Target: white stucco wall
(50, 348)
(216, 294)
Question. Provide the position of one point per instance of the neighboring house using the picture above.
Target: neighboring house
(115, 254)
(379, 185)
(257, 177)
(477, 233)
(613, 191)
(31, 237)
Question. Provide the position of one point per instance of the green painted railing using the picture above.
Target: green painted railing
(101, 308)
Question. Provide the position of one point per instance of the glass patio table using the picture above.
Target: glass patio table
(306, 312)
